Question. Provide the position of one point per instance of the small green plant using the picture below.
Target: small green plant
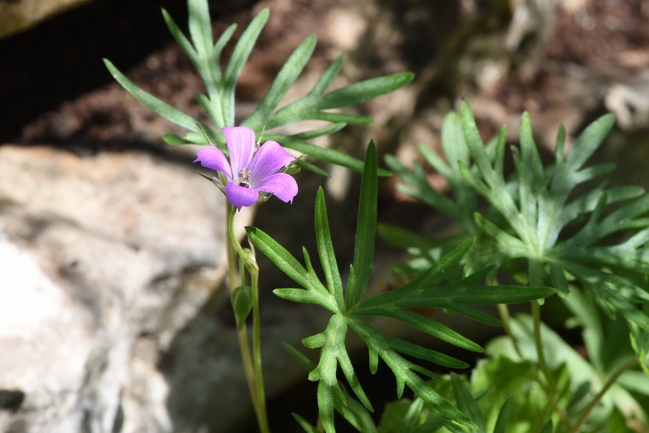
(350, 310)
(530, 227)
(537, 230)
(220, 83)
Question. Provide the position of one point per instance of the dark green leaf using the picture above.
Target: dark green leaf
(466, 403)
(311, 167)
(323, 154)
(326, 251)
(503, 415)
(365, 230)
(242, 303)
(547, 427)
(288, 264)
(308, 428)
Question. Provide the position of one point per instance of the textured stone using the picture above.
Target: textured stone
(102, 261)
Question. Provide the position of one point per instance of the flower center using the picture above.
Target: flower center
(244, 178)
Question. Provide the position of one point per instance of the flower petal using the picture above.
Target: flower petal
(239, 196)
(211, 157)
(281, 185)
(269, 158)
(241, 146)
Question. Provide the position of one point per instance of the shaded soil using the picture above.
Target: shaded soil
(54, 88)
(49, 68)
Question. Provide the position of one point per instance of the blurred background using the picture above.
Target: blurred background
(112, 317)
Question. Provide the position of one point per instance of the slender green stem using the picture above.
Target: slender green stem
(246, 357)
(252, 364)
(611, 380)
(232, 255)
(256, 353)
(503, 312)
(536, 316)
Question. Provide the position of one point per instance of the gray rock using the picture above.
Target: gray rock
(103, 262)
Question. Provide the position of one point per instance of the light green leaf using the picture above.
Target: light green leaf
(165, 110)
(283, 82)
(180, 38)
(364, 90)
(237, 61)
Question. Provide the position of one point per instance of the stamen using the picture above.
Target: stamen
(244, 177)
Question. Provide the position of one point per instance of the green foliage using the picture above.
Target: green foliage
(532, 214)
(539, 228)
(504, 395)
(205, 55)
(349, 310)
(578, 379)
(488, 414)
(242, 303)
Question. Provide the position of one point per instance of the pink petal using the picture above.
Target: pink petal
(211, 157)
(281, 185)
(267, 161)
(239, 196)
(241, 146)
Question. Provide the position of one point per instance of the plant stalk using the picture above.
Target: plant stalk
(256, 353)
(503, 312)
(611, 380)
(538, 342)
(252, 363)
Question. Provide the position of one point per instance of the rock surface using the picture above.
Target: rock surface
(106, 265)
(16, 16)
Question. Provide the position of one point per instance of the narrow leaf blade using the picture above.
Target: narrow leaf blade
(365, 230)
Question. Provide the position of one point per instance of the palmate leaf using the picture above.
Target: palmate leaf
(540, 210)
(219, 103)
(416, 184)
(530, 210)
(350, 310)
(415, 417)
(354, 412)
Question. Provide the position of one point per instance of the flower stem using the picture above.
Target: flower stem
(536, 316)
(611, 380)
(256, 353)
(503, 312)
(252, 364)
(242, 329)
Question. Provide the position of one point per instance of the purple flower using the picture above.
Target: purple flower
(251, 173)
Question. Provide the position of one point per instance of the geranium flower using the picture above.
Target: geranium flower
(251, 174)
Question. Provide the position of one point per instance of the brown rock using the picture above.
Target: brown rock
(19, 15)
